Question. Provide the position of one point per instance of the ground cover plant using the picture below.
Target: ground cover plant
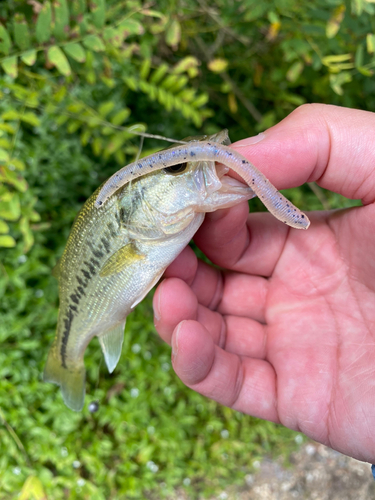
(79, 82)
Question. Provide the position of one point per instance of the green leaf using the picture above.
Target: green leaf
(97, 144)
(98, 12)
(200, 101)
(153, 13)
(29, 57)
(365, 71)
(90, 77)
(173, 34)
(120, 157)
(57, 57)
(75, 107)
(60, 120)
(109, 82)
(7, 241)
(218, 65)
(11, 177)
(145, 69)
(11, 114)
(105, 108)
(137, 127)
(121, 116)
(159, 73)
(43, 23)
(10, 208)
(59, 94)
(359, 55)
(9, 65)
(75, 51)
(7, 128)
(370, 43)
(334, 23)
(4, 228)
(295, 99)
(85, 136)
(334, 59)
(187, 64)
(5, 143)
(78, 7)
(131, 27)
(113, 36)
(17, 164)
(61, 17)
(27, 234)
(338, 80)
(94, 43)
(294, 71)
(30, 118)
(5, 41)
(131, 82)
(32, 489)
(4, 155)
(21, 31)
(73, 126)
(115, 143)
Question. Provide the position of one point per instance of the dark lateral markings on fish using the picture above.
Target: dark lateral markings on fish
(64, 341)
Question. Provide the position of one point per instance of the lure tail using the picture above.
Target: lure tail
(71, 380)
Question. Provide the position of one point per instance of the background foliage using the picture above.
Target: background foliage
(80, 82)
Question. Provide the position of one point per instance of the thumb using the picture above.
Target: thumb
(331, 145)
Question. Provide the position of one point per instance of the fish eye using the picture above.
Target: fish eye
(176, 169)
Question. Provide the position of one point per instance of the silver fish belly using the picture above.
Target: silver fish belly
(116, 253)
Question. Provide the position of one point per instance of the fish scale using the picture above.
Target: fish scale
(118, 251)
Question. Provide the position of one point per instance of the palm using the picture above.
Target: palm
(286, 332)
(293, 315)
(319, 313)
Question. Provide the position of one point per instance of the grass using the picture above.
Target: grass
(151, 435)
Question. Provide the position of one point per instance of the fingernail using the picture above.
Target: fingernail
(156, 303)
(175, 340)
(251, 140)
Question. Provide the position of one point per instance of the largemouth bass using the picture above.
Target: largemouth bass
(128, 232)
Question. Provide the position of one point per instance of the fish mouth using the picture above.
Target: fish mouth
(232, 185)
(229, 182)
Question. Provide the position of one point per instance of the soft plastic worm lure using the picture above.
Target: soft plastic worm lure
(275, 202)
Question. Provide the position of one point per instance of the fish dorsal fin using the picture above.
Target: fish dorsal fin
(221, 137)
(56, 270)
(119, 260)
(111, 344)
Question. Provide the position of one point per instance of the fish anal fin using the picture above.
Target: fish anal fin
(71, 380)
(111, 344)
(125, 256)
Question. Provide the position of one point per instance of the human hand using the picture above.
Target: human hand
(287, 332)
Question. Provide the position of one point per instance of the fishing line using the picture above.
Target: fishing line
(140, 148)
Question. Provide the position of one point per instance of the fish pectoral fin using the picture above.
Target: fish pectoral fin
(71, 380)
(111, 344)
(125, 256)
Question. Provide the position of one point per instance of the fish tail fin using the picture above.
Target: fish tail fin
(71, 380)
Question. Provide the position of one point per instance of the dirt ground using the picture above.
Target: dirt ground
(317, 473)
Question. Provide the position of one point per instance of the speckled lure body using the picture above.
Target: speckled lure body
(125, 236)
(275, 202)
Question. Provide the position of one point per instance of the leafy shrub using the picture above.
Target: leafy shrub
(81, 82)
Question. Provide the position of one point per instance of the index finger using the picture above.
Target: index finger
(331, 145)
(326, 144)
